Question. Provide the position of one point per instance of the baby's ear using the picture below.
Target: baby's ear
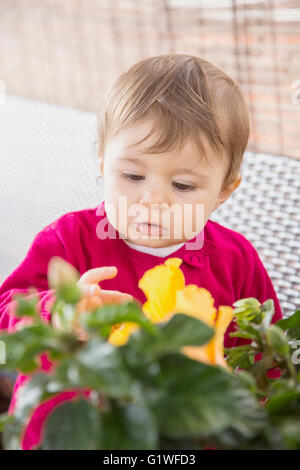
(237, 181)
(101, 164)
(226, 192)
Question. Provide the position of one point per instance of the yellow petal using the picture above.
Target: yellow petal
(198, 353)
(199, 303)
(224, 318)
(196, 302)
(213, 352)
(159, 285)
(120, 334)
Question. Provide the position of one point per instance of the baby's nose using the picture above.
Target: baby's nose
(154, 197)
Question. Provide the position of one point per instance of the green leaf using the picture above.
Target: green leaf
(180, 444)
(247, 310)
(277, 340)
(240, 356)
(289, 428)
(4, 419)
(200, 399)
(99, 365)
(11, 433)
(70, 294)
(105, 330)
(247, 302)
(119, 313)
(248, 380)
(75, 425)
(293, 333)
(181, 330)
(248, 419)
(243, 333)
(66, 313)
(282, 402)
(290, 322)
(25, 307)
(23, 346)
(130, 426)
(28, 397)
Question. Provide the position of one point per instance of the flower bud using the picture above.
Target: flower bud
(277, 340)
(63, 277)
(61, 273)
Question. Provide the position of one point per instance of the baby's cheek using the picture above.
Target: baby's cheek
(192, 225)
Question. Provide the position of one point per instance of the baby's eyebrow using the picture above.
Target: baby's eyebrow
(191, 172)
(134, 160)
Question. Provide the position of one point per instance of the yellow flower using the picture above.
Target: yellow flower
(213, 351)
(160, 285)
(164, 287)
(196, 302)
(154, 283)
(120, 333)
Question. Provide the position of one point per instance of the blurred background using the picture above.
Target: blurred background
(69, 51)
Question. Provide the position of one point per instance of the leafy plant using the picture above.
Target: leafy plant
(155, 376)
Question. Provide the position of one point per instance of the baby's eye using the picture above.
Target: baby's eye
(183, 187)
(179, 186)
(132, 177)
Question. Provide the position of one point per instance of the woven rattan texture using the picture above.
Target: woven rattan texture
(266, 210)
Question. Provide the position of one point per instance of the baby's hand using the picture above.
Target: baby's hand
(93, 296)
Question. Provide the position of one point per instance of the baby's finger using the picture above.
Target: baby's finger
(89, 290)
(95, 275)
(94, 302)
(81, 306)
(114, 296)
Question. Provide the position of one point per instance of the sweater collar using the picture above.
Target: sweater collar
(192, 257)
(161, 251)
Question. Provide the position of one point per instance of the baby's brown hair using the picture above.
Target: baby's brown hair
(186, 97)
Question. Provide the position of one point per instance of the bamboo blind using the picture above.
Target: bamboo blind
(69, 51)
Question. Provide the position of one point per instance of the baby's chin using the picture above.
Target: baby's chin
(154, 241)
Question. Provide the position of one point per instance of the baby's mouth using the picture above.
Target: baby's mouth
(149, 229)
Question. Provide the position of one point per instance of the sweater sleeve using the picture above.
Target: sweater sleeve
(51, 241)
(32, 272)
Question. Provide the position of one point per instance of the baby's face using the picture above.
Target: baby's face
(176, 191)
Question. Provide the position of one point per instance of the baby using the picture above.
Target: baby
(172, 133)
